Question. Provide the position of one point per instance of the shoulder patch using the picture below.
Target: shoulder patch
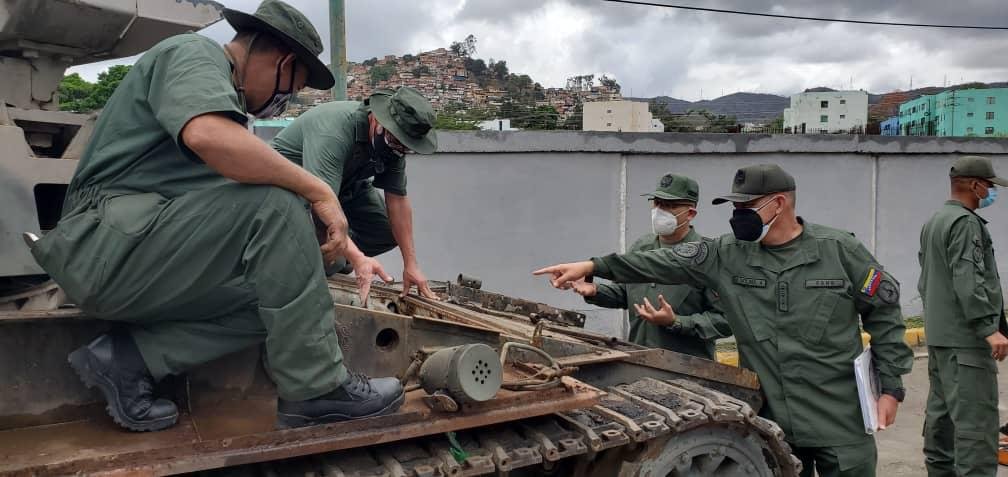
(871, 282)
(888, 292)
(696, 252)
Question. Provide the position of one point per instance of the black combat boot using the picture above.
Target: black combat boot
(114, 364)
(359, 397)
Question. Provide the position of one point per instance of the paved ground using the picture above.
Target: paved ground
(900, 446)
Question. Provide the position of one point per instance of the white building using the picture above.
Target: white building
(496, 125)
(827, 111)
(619, 116)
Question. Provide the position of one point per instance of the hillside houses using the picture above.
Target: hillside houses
(442, 77)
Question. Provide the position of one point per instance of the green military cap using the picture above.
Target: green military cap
(753, 182)
(976, 166)
(675, 187)
(408, 116)
(291, 27)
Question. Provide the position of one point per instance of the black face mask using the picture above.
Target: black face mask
(280, 99)
(381, 152)
(747, 225)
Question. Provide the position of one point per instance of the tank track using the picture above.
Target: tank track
(628, 418)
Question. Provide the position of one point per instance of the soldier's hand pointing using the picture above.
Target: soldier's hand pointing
(664, 315)
(563, 274)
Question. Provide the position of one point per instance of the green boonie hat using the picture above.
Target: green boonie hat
(408, 116)
(754, 182)
(976, 166)
(290, 26)
(675, 187)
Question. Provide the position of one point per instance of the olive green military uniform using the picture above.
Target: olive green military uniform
(699, 322)
(195, 264)
(331, 141)
(961, 290)
(794, 310)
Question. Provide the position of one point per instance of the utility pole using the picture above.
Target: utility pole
(337, 48)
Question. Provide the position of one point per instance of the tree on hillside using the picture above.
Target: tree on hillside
(475, 67)
(79, 95)
(381, 73)
(574, 122)
(659, 109)
(370, 62)
(74, 92)
(609, 83)
(465, 48)
(581, 82)
(498, 69)
(454, 122)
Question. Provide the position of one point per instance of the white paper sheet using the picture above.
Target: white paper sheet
(868, 389)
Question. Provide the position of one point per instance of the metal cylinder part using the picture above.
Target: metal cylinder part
(469, 282)
(467, 373)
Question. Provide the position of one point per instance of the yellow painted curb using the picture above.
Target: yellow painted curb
(914, 337)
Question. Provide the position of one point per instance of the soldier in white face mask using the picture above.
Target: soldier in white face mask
(680, 318)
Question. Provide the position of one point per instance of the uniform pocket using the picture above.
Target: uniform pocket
(976, 413)
(857, 456)
(825, 305)
(132, 214)
(74, 257)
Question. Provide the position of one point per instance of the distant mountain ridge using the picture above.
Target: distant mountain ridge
(746, 107)
(764, 108)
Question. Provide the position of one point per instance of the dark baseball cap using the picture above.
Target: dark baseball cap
(753, 182)
(675, 187)
(976, 166)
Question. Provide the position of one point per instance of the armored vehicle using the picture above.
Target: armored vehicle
(496, 384)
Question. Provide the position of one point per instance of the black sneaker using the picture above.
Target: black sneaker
(359, 397)
(114, 364)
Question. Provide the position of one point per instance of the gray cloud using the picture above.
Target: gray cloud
(655, 51)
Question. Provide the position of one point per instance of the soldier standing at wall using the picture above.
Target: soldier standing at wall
(963, 311)
(682, 318)
(793, 293)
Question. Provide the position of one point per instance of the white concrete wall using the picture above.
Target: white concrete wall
(807, 108)
(498, 205)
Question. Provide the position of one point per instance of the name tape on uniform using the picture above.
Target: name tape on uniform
(825, 283)
(750, 282)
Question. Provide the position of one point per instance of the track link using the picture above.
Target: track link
(632, 414)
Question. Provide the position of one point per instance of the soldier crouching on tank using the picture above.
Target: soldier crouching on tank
(792, 292)
(195, 235)
(358, 148)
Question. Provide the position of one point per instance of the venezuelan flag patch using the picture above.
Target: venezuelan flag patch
(872, 281)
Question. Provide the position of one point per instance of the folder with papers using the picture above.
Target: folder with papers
(866, 375)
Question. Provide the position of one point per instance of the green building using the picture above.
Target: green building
(964, 112)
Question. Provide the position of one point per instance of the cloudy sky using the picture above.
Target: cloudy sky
(653, 51)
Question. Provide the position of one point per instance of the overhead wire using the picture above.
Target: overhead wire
(798, 17)
(810, 18)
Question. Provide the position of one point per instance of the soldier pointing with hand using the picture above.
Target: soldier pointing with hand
(794, 294)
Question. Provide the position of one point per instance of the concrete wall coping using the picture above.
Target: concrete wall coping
(682, 143)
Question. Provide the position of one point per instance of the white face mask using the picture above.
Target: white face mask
(664, 222)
